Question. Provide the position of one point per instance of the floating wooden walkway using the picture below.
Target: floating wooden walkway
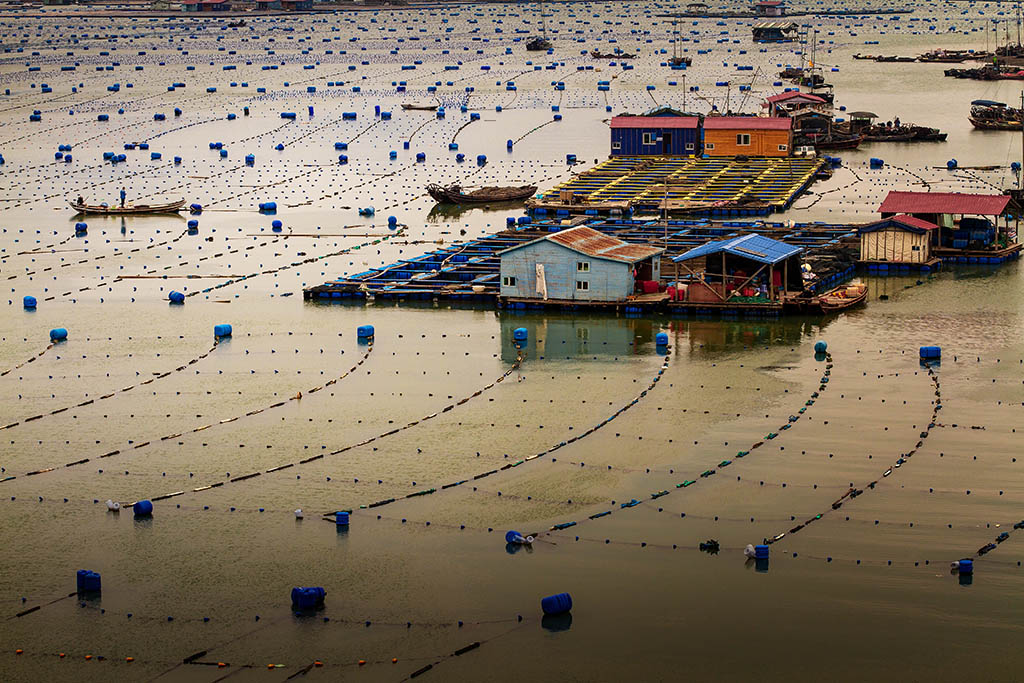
(715, 187)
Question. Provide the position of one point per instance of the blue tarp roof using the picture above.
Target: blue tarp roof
(753, 246)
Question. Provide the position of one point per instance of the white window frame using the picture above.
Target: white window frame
(709, 145)
(689, 146)
(648, 139)
(508, 281)
(742, 139)
(583, 266)
(783, 148)
(616, 146)
(583, 285)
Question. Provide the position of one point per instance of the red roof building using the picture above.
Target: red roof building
(930, 204)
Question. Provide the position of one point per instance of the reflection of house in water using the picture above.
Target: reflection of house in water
(714, 336)
(555, 336)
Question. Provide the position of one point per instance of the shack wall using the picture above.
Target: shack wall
(606, 280)
(631, 142)
(895, 245)
(763, 143)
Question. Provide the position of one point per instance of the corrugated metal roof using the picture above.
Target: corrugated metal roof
(655, 122)
(945, 202)
(753, 246)
(784, 25)
(590, 242)
(909, 222)
(747, 123)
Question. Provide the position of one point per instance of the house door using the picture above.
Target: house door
(666, 143)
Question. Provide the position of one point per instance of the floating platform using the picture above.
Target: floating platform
(469, 272)
(692, 186)
(989, 256)
(896, 267)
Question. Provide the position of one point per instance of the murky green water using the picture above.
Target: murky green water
(647, 603)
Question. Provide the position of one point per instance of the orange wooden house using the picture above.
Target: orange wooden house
(754, 136)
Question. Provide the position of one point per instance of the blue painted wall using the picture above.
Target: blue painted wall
(608, 280)
(631, 142)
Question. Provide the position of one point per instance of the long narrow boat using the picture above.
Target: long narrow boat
(419, 107)
(129, 209)
(453, 194)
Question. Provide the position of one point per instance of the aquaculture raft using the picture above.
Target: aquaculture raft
(722, 186)
(470, 272)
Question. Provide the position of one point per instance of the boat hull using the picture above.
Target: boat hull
(132, 210)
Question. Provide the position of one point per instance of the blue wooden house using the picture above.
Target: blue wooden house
(580, 265)
(662, 132)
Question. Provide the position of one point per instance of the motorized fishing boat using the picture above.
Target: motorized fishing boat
(454, 194)
(127, 209)
(419, 107)
(595, 54)
(990, 115)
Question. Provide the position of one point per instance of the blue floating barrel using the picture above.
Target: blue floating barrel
(154, 156)
(67, 158)
(58, 334)
(143, 508)
(341, 518)
(222, 330)
(570, 158)
(177, 161)
(460, 157)
(510, 221)
(557, 117)
(966, 566)
(103, 117)
(279, 147)
(481, 159)
(820, 347)
(193, 225)
(661, 339)
(268, 207)
(308, 598)
(159, 117)
(392, 154)
(223, 153)
(421, 157)
(342, 159)
(341, 146)
(951, 164)
(931, 352)
(88, 581)
(520, 334)
(287, 115)
(560, 603)
(250, 159)
(364, 332)
(761, 552)
(276, 224)
(29, 302)
(508, 144)
(176, 297)
(81, 227)
(195, 208)
(876, 163)
(453, 147)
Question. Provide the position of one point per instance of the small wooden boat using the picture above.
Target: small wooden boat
(610, 55)
(419, 107)
(128, 209)
(832, 301)
(453, 194)
(538, 45)
(842, 297)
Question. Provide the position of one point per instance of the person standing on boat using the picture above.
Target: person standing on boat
(123, 195)
(80, 200)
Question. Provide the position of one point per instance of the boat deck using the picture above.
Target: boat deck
(990, 256)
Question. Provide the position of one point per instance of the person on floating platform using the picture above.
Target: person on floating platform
(123, 195)
(80, 200)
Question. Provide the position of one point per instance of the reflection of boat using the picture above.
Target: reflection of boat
(453, 194)
(128, 209)
(447, 212)
(419, 107)
(538, 44)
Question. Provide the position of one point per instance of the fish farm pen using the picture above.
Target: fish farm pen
(470, 272)
(716, 187)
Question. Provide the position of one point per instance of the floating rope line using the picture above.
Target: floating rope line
(710, 471)
(112, 394)
(520, 357)
(295, 264)
(854, 492)
(26, 362)
(517, 463)
(204, 427)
